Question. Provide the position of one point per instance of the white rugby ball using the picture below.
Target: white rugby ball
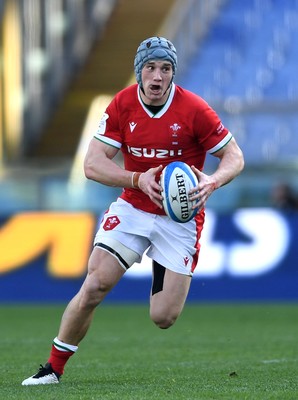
(177, 179)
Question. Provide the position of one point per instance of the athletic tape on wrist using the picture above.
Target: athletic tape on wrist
(135, 179)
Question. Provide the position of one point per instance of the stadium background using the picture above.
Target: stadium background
(62, 60)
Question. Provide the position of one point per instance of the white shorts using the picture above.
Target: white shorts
(173, 245)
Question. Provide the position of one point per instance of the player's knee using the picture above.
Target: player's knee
(163, 321)
(93, 292)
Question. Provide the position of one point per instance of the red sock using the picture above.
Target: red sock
(58, 359)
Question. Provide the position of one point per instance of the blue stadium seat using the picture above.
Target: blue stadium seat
(250, 55)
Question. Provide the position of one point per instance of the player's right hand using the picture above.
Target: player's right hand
(149, 185)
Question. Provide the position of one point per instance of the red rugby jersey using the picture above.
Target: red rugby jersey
(185, 129)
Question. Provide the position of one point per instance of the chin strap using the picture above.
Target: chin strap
(170, 84)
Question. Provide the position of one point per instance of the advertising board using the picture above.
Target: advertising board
(248, 255)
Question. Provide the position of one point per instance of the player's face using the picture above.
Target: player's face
(156, 77)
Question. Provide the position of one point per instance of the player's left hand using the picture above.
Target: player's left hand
(203, 190)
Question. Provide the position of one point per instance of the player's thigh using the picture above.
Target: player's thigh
(104, 271)
(167, 304)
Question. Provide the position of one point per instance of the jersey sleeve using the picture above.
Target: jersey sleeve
(213, 135)
(108, 130)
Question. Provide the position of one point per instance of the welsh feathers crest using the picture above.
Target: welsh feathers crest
(175, 128)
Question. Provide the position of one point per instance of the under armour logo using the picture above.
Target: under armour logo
(132, 126)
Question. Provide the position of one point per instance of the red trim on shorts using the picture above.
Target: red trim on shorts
(199, 218)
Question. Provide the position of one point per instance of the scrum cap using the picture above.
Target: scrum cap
(154, 48)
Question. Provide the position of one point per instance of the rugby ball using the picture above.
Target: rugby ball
(177, 178)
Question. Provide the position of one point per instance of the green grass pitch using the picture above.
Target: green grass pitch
(223, 352)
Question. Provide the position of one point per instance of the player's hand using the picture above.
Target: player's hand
(203, 190)
(148, 184)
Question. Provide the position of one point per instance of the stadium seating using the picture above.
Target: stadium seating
(246, 68)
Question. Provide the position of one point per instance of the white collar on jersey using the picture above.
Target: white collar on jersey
(165, 107)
